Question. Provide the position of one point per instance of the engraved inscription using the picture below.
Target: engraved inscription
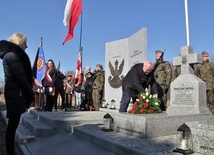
(136, 53)
(184, 96)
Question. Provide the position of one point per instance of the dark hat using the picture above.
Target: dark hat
(204, 53)
(99, 65)
(158, 51)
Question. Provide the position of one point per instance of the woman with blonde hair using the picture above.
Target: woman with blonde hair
(18, 83)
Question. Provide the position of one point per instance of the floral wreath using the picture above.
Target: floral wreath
(146, 104)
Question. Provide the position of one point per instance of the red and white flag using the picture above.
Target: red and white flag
(78, 72)
(73, 9)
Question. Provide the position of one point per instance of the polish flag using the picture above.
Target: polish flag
(73, 9)
(79, 68)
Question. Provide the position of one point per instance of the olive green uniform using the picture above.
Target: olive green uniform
(163, 76)
(69, 86)
(205, 71)
(97, 89)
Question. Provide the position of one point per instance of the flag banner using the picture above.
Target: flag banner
(72, 11)
(79, 67)
(39, 66)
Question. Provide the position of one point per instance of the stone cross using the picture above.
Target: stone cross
(186, 58)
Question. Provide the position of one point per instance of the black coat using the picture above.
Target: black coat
(136, 81)
(88, 88)
(18, 78)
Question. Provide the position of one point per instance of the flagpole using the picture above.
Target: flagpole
(187, 22)
(80, 47)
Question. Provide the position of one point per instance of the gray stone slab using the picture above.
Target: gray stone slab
(38, 128)
(152, 125)
(188, 96)
(120, 56)
(203, 136)
(64, 144)
(124, 144)
(23, 135)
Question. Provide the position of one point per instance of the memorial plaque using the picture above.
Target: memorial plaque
(120, 56)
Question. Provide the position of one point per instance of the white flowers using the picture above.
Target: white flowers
(147, 100)
(156, 103)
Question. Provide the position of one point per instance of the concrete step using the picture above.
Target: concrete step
(61, 120)
(35, 126)
(23, 135)
(63, 143)
(124, 144)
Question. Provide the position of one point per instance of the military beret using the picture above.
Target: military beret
(205, 53)
(158, 51)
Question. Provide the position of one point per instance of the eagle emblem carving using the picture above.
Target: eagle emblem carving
(184, 59)
(115, 79)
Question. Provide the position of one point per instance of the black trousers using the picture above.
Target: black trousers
(13, 123)
(50, 100)
(60, 91)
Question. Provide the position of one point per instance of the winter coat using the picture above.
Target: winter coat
(88, 88)
(136, 81)
(78, 88)
(50, 84)
(18, 78)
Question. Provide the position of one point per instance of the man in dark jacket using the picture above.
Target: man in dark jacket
(136, 81)
(59, 83)
(18, 83)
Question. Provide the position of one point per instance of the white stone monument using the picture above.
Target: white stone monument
(188, 92)
(121, 55)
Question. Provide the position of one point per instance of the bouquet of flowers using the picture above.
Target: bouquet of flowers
(146, 104)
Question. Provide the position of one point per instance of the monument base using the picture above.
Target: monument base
(152, 125)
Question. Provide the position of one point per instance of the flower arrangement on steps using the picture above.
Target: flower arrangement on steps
(146, 104)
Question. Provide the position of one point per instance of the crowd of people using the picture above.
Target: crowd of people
(82, 93)
(86, 91)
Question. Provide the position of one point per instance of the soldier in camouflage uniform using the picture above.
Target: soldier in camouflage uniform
(205, 71)
(163, 76)
(98, 86)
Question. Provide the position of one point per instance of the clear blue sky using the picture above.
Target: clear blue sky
(105, 21)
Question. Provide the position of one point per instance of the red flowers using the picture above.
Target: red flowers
(145, 104)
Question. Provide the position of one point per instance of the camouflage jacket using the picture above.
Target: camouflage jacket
(205, 71)
(177, 72)
(69, 86)
(163, 73)
(99, 80)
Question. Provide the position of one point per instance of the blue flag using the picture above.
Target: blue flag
(39, 65)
